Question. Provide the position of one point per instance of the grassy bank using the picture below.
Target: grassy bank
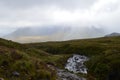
(104, 55)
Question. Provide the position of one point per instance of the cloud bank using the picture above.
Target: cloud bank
(75, 13)
(70, 12)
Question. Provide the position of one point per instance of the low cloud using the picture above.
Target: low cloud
(74, 13)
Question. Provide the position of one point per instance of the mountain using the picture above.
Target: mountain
(113, 34)
(53, 33)
(38, 34)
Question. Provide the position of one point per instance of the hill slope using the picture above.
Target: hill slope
(30, 61)
(19, 62)
(113, 34)
(104, 55)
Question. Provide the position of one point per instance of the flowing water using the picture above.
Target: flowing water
(74, 64)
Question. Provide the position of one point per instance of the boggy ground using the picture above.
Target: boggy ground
(30, 61)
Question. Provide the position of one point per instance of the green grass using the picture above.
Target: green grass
(104, 54)
(31, 60)
(15, 57)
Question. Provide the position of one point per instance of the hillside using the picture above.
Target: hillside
(36, 61)
(19, 62)
(113, 34)
(104, 55)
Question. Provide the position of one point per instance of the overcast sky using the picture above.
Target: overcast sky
(80, 13)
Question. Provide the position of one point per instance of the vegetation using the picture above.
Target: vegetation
(17, 62)
(31, 61)
(104, 54)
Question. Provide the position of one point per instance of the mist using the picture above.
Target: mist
(65, 19)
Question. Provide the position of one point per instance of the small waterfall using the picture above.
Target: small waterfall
(75, 64)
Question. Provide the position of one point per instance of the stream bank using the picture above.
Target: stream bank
(74, 65)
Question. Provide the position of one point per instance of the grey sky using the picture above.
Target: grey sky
(61, 3)
(80, 13)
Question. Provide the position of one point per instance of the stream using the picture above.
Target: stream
(75, 64)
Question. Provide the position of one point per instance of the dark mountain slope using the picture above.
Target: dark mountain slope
(113, 34)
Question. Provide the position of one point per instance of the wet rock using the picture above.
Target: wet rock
(64, 75)
(76, 64)
(1, 79)
(15, 73)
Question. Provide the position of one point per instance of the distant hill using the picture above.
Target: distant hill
(38, 34)
(113, 34)
(53, 33)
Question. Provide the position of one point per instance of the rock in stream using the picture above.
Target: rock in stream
(65, 75)
(74, 64)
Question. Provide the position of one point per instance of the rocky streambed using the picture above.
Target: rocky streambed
(66, 75)
(75, 64)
